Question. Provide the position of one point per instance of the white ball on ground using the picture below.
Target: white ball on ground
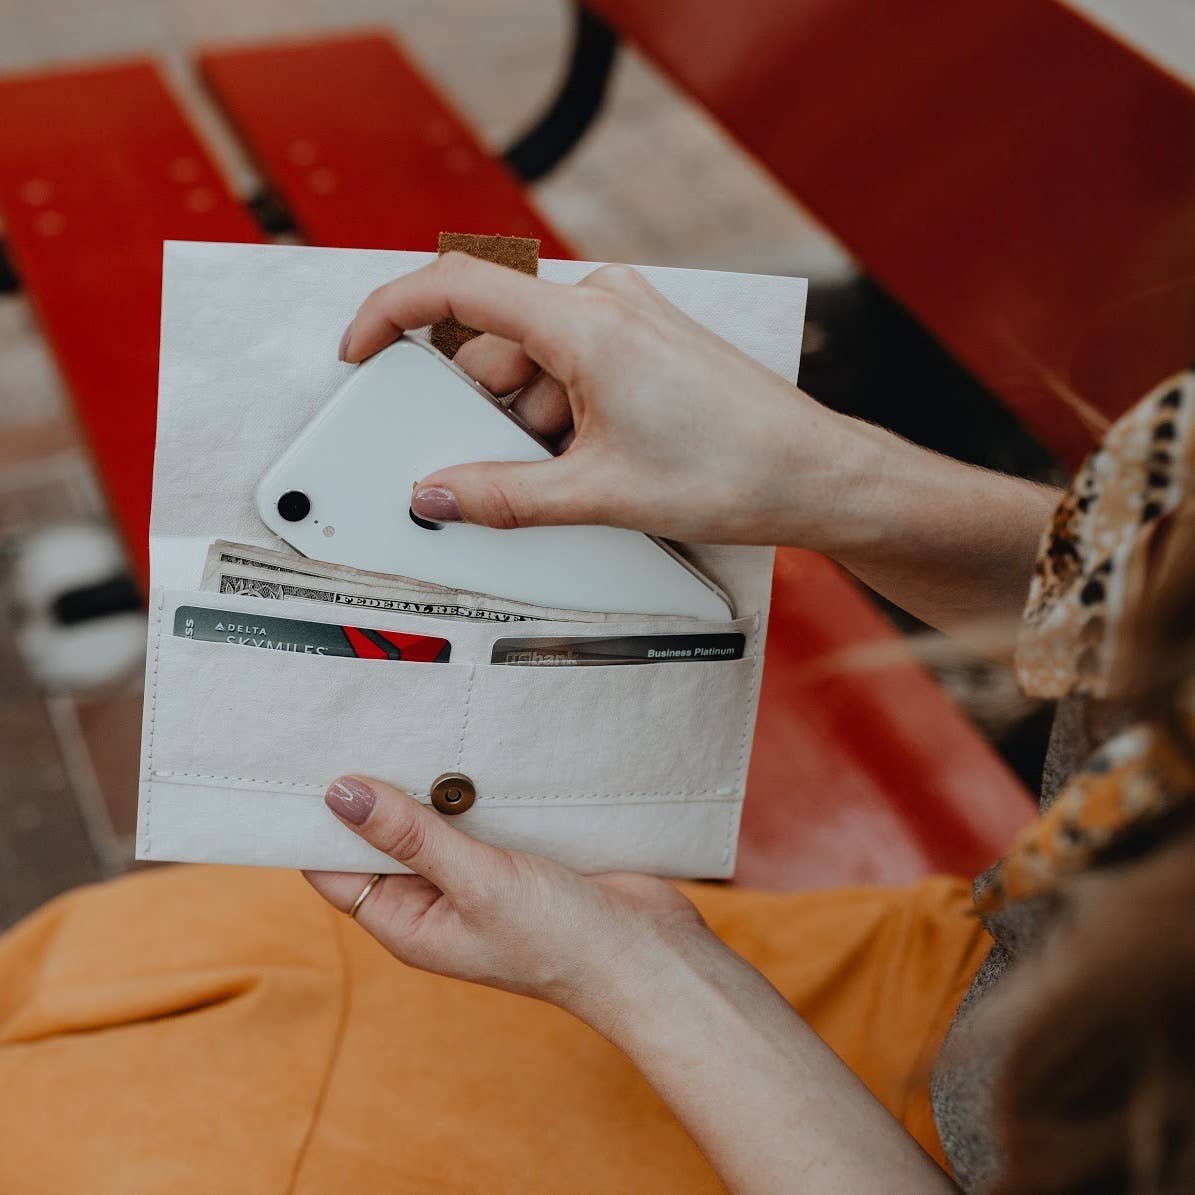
(96, 651)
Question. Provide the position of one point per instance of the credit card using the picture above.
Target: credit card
(306, 638)
(623, 649)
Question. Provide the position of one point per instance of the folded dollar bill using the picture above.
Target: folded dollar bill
(247, 570)
(224, 553)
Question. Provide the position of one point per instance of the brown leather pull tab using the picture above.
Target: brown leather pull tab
(520, 253)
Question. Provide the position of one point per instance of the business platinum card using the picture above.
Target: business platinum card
(622, 649)
(306, 638)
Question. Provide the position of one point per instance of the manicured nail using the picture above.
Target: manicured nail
(344, 342)
(436, 503)
(351, 799)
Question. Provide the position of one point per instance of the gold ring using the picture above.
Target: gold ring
(369, 887)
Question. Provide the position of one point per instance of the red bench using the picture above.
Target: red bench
(1018, 178)
(386, 163)
(97, 168)
(871, 777)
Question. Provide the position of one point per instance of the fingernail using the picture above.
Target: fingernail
(351, 799)
(344, 342)
(436, 503)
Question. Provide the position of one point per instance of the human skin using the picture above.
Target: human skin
(669, 429)
(665, 428)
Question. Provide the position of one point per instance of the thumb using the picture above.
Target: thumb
(413, 835)
(506, 495)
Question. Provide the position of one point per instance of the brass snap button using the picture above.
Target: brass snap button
(453, 793)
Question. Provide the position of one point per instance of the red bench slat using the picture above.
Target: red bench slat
(1018, 178)
(364, 150)
(98, 168)
(866, 776)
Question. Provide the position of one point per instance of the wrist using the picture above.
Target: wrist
(633, 1002)
(830, 486)
(620, 982)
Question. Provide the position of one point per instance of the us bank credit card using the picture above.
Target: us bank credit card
(624, 649)
(306, 638)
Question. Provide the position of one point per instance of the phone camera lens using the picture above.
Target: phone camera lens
(294, 506)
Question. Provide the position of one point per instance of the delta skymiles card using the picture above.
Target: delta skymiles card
(307, 638)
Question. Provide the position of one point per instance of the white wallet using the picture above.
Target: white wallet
(640, 767)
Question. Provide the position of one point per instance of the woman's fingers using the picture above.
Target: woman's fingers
(540, 316)
(502, 366)
(393, 900)
(341, 888)
(544, 407)
(499, 365)
(415, 836)
(508, 495)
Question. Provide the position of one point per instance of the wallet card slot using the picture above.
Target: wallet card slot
(257, 720)
(252, 718)
(664, 731)
(679, 628)
(468, 638)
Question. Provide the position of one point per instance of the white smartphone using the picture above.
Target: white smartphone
(341, 493)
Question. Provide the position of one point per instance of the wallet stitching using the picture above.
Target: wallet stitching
(744, 742)
(460, 750)
(709, 793)
(729, 833)
(153, 722)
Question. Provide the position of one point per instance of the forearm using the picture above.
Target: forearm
(770, 1105)
(951, 543)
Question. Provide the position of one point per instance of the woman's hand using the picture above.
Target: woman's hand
(503, 918)
(771, 1106)
(664, 427)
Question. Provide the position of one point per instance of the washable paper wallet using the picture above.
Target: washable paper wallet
(630, 753)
